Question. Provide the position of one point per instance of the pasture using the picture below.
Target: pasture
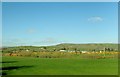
(20, 65)
(62, 59)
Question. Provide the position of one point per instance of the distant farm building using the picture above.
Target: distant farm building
(62, 50)
(83, 51)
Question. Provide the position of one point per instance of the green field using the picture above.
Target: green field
(58, 66)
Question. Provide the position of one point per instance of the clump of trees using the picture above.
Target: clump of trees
(108, 49)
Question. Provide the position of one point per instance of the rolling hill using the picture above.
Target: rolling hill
(64, 46)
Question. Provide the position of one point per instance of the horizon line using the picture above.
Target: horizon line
(57, 44)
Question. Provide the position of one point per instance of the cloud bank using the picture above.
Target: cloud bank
(95, 19)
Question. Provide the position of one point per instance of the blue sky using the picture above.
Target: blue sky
(50, 23)
(0, 24)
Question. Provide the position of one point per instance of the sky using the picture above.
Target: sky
(60, 0)
(51, 23)
(0, 24)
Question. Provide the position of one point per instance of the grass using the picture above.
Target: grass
(58, 66)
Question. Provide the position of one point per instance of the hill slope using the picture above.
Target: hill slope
(64, 46)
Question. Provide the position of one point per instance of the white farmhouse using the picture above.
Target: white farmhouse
(84, 51)
(62, 50)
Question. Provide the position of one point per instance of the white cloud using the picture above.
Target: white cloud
(14, 42)
(31, 31)
(49, 40)
(95, 19)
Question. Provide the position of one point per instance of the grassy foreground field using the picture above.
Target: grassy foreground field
(58, 66)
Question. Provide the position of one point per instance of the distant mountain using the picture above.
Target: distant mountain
(66, 46)
(96, 46)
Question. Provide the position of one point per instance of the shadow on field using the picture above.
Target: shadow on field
(5, 70)
(8, 61)
(15, 67)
